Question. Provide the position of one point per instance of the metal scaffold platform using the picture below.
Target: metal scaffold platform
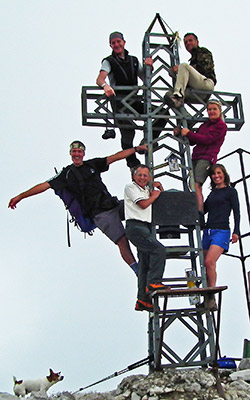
(175, 212)
(205, 345)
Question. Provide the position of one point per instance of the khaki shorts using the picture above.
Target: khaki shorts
(201, 170)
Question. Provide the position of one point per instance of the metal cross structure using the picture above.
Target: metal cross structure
(175, 212)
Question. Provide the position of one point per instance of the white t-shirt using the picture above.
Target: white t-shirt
(132, 194)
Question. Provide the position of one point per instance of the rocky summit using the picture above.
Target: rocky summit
(169, 384)
(174, 384)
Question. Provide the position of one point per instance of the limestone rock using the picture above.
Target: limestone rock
(123, 396)
(240, 385)
(135, 396)
(155, 390)
(243, 374)
(7, 396)
(194, 387)
(244, 363)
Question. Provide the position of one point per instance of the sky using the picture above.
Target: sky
(72, 309)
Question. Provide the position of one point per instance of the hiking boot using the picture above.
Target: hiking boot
(143, 305)
(155, 286)
(109, 134)
(173, 100)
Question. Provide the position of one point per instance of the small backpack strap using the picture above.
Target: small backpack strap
(68, 231)
(78, 176)
(81, 182)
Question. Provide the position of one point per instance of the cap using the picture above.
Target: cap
(115, 35)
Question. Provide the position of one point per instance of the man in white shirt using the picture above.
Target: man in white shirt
(138, 200)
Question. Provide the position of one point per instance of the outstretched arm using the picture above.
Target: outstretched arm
(126, 153)
(41, 187)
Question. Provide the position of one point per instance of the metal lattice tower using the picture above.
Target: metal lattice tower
(175, 211)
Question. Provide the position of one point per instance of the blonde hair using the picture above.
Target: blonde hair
(219, 104)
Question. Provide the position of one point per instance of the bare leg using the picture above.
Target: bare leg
(125, 250)
(211, 256)
(199, 196)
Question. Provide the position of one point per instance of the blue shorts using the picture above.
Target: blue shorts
(219, 237)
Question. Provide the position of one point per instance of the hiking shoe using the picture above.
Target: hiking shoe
(109, 134)
(143, 306)
(155, 286)
(173, 100)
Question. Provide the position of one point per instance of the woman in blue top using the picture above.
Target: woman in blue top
(219, 204)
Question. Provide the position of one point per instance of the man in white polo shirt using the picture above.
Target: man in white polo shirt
(151, 253)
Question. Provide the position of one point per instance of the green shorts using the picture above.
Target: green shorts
(201, 170)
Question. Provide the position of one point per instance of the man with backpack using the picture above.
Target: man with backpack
(98, 204)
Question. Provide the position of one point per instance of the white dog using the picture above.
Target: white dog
(23, 387)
